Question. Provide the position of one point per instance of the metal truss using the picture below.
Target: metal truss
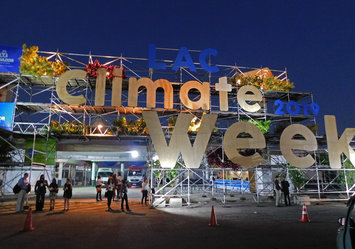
(37, 104)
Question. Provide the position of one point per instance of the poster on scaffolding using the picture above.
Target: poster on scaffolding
(10, 59)
(44, 153)
(6, 115)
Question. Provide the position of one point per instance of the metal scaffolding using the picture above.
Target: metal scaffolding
(37, 105)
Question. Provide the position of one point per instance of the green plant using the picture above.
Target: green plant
(264, 83)
(264, 126)
(297, 177)
(58, 129)
(163, 174)
(37, 66)
(130, 127)
(347, 177)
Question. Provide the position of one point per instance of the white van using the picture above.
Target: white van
(105, 173)
(135, 176)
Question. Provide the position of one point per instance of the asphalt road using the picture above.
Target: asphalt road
(242, 224)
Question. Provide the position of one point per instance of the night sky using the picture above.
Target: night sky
(314, 40)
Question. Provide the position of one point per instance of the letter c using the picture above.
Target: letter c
(61, 87)
(203, 63)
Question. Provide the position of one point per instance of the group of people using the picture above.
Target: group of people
(284, 189)
(40, 191)
(114, 185)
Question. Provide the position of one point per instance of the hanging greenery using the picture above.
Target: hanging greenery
(92, 68)
(264, 126)
(37, 66)
(130, 127)
(58, 129)
(264, 83)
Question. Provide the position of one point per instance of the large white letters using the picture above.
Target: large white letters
(288, 143)
(61, 87)
(338, 146)
(231, 144)
(180, 141)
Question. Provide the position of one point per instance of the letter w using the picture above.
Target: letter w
(180, 141)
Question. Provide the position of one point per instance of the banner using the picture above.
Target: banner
(10, 59)
(6, 115)
(43, 149)
(232, 185)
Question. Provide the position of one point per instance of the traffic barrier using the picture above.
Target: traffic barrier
(28, 222)
(213, 219)
(304, 214)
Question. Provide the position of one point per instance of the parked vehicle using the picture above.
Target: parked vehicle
(105, 173)
(135, 176)
(346, 233)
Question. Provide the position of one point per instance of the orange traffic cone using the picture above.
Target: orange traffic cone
(304, 214)
(213, 219)
(28, 223)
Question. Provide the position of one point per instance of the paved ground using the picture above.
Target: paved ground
(243, 224)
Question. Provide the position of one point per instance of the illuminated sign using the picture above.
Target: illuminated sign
(6, 115)
(294, 108)
(10, 59)
(248, 98)
(183, 59)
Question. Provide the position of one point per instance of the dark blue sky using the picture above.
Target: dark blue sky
(314, 40)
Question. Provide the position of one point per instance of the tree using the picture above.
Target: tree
(297, 177)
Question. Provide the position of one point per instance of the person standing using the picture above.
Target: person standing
(125, 184)
(145, 189)
(53, 191)
(114, 178)
(40, 190)
(119, 185)
(110, 188)
(278, 191)
(98, 188)
(68, 192)
(24, 184)
(284, 187)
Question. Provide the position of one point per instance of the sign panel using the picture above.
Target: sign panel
(6, 115)
(232, 185)
(10, 59)
(45, 151)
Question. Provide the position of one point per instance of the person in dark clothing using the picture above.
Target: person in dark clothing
(119, 184)
(125, 185)
(114, 179)
(284, 187)
(68, 192)
(53, 191)
(40, 190)
(277, 191)
(110, 188)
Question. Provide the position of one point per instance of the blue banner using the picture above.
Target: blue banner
(232, 185)
(10, 59)
(6, 115)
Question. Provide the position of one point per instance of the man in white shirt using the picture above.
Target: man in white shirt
(23, 183)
